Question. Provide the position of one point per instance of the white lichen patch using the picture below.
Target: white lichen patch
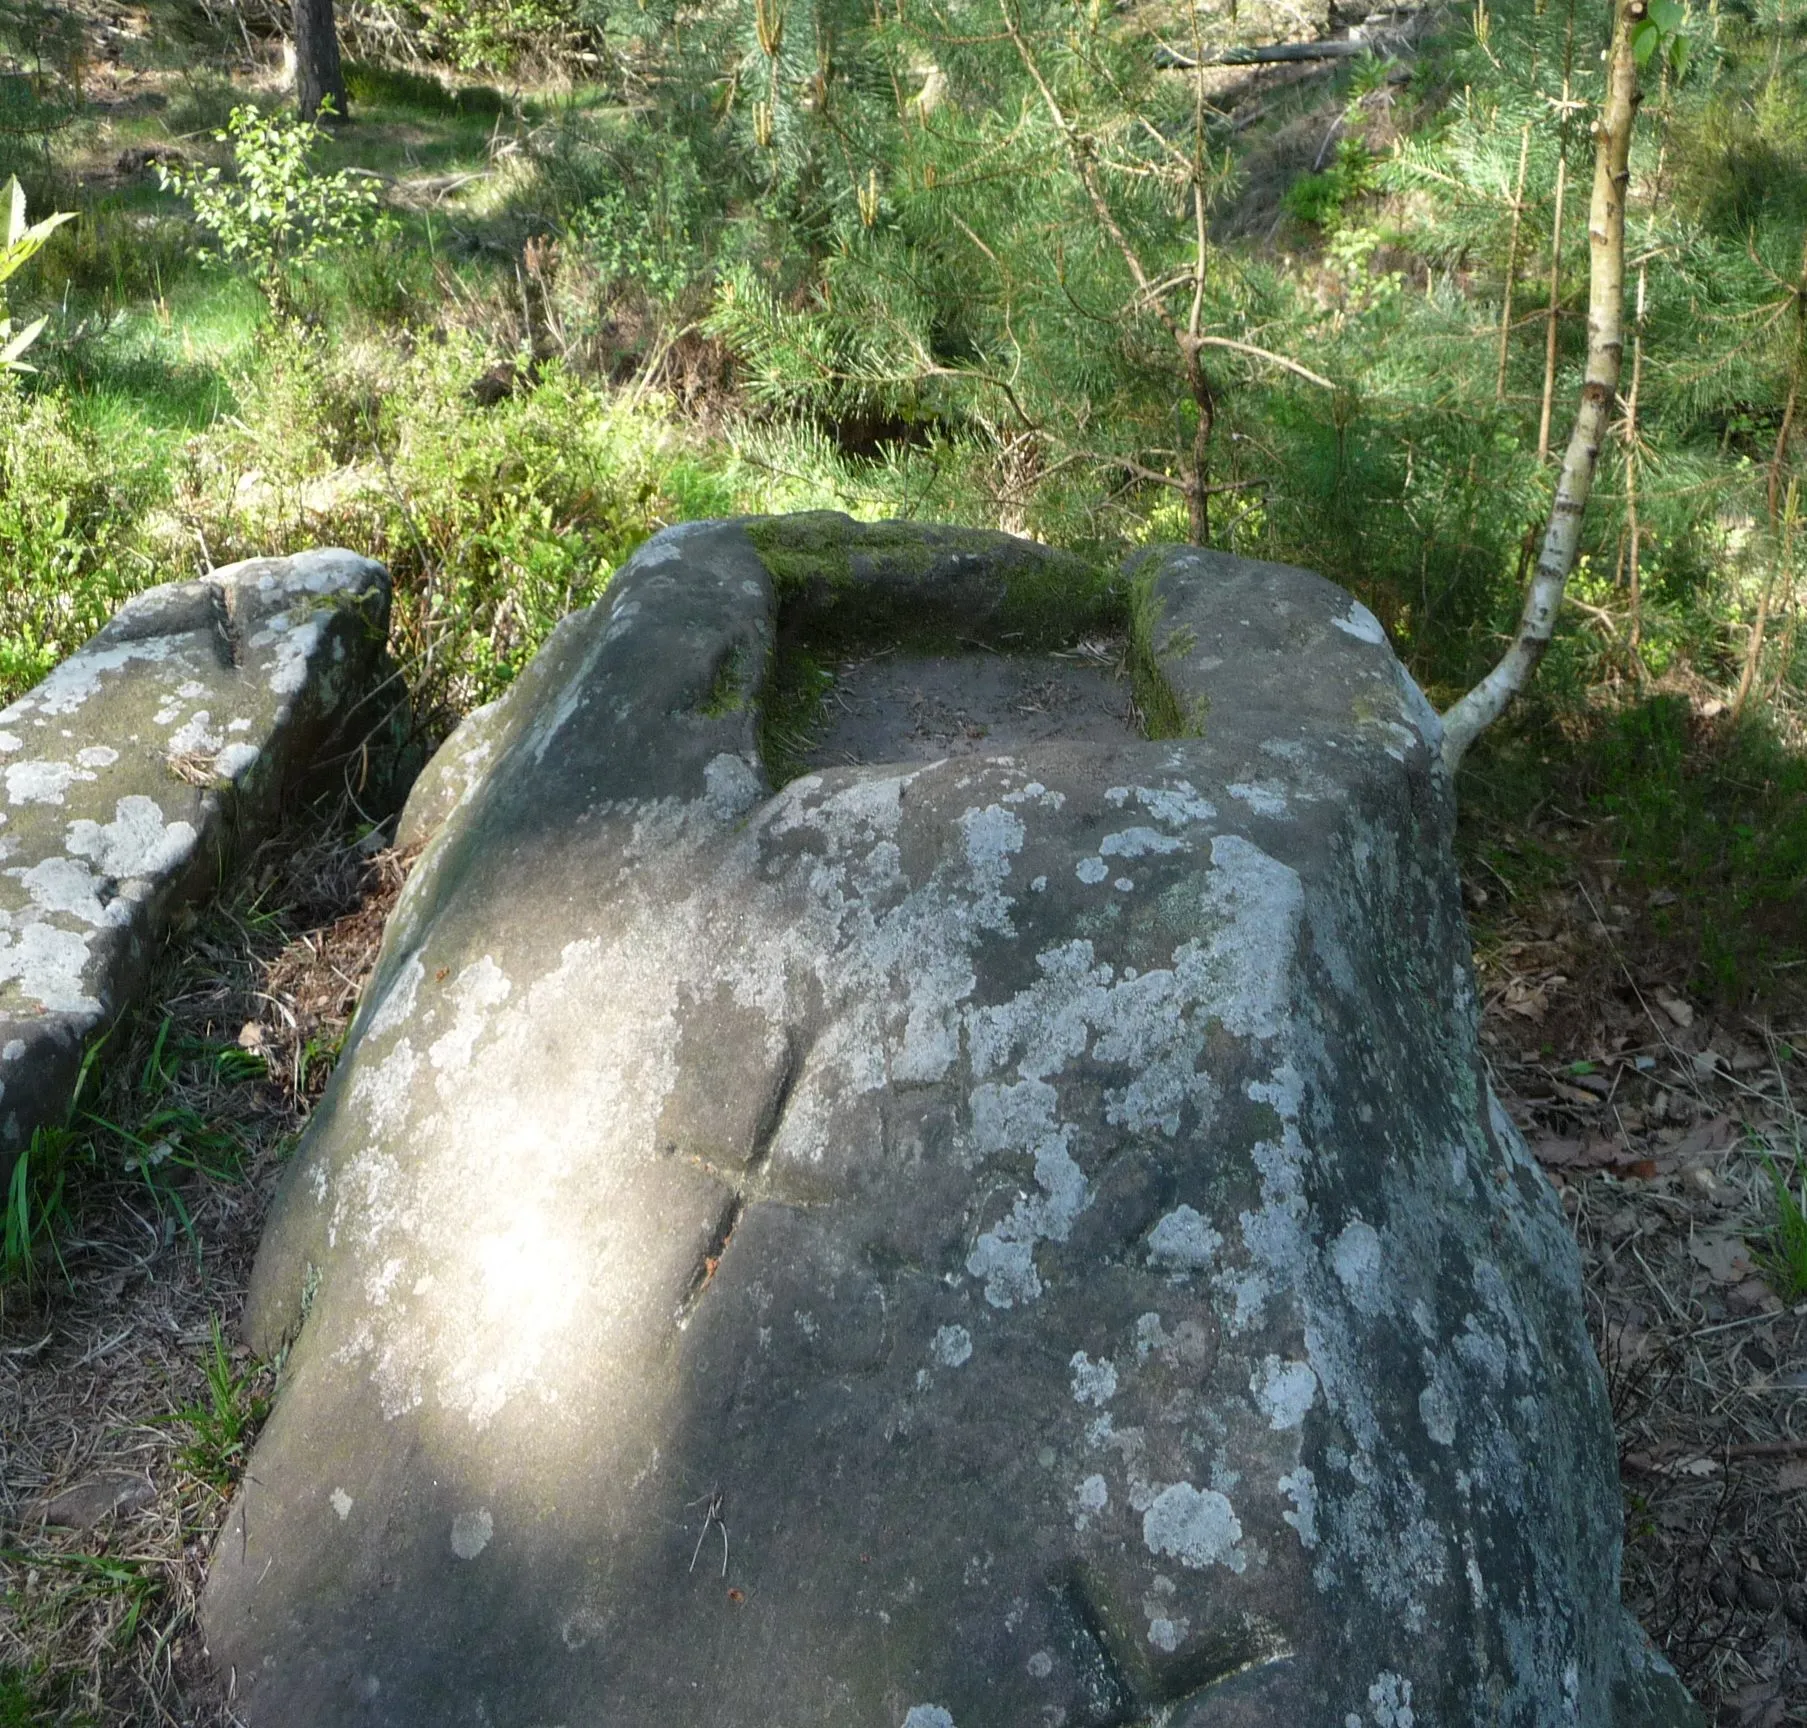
(471, 1533)
(927, 1716)
(42, 782)
(342, 1504)
(1036, 793)
(232, 761)
(384, 1090)
(477, 989)
(1020, 1120)
(137, 844)
(1167, 1635)
(70, 685)
(730, 787)
(1139, 843)
(1361, 624)
(1168, 1629)
(1437, 1403)
(1355, 1254)
(47, 965)
(195, 736)
(294, 635)
(1264, 797)
(1389, 1701)
(1093, 1382)
(1300, 1487)
(1284, 1391)
(952, 1346)
(1257, 906)
(1091, 871)
(1008, 1268)
(1176, 805)
(68, 886)
(395, 1006)
(1090, 1498)
(1196, 1526)
(1183, 1241)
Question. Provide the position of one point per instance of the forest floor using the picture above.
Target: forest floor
(1666, 1129)
(127, 1409)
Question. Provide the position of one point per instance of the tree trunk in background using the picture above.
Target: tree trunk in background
(1484, 704)
(318, 74)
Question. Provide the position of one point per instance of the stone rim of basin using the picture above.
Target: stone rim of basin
(205, 707)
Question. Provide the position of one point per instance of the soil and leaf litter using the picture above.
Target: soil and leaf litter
(127, 1405)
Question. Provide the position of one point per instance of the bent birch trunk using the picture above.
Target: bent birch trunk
(1475, 712)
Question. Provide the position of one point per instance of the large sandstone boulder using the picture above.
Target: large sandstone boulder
(1015, 1235)
(138, 764)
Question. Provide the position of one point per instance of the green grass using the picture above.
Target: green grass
(36, 1198)
(36, 1212)
(1785, 1253)
(378, 88)
(1705, 819)
(20, 1706)
(222, 1427)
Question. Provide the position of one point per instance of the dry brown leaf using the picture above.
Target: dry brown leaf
(1556, 1153)
(1706, 1139)
(1527, 1003)
(1726, 1257)
(1752, 1296)
(1574, 1095)
(1678, 1009)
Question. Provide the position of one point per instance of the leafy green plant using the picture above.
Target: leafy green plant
(276, 210)
(649, 244)
(19, 1702)
(1320, 198)
(20, 243)
(222, 1428)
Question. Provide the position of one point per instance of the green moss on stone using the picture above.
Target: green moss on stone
(790, 717)
(1164, 714)
(931, 585)
(728, 690)
(802, 551)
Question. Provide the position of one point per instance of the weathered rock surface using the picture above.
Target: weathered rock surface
(129, 772)
(1014, 1239)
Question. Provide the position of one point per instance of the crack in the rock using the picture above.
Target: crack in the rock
(710, 1258)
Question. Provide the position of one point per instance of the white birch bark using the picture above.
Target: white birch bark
(1476, 711)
